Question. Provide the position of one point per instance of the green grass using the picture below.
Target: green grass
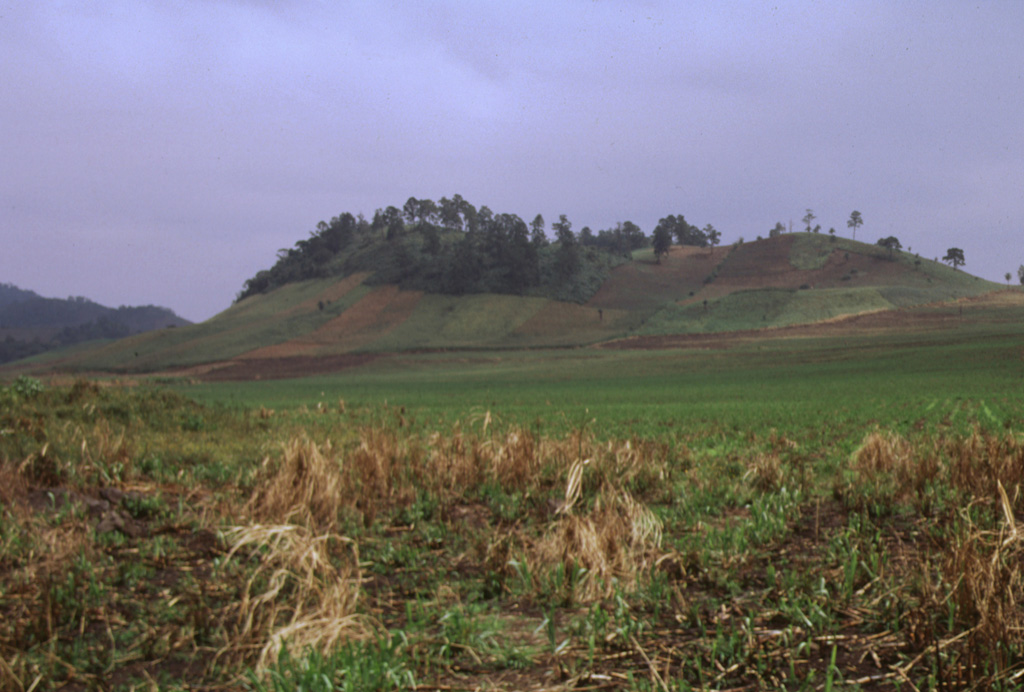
(438, 321)
(757, 309)
(261, 320)
(784, 561)
(789, 382)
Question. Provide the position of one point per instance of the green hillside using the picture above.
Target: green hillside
(805, 277)
(775, 282)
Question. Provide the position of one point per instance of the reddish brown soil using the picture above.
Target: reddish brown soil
(644, 284)
(284, 368)
(768, 266)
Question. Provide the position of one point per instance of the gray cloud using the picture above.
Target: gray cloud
(163, 154)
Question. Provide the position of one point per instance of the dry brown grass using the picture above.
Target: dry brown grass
(304, 591)
(989, 590)
(515, 459)
(971, 580)
(641, 464)
(983, 461)
(613, 542)
(882, 454)
(104, 449)
(32, 612)
(453, 464)
(890, 467)
(377, 467)
(307, 486)
(765, 472)
(13, 484)
(980, 599)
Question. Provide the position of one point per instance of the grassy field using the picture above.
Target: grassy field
(815, 513)
(793, 381)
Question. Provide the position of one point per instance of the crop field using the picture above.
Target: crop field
(814, 513)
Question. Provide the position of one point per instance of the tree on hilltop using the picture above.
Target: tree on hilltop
(623, 239)
(662, 241)
(955, 257)
(808, 219)
(891, 244)
(537, 236)
(568, 258)
(419, 212)
(855, 222)
(713, 236)
(388, 222)
(1020, 274)
(684, 233)
(448, 213)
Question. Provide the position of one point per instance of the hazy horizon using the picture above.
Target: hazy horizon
(162, 155)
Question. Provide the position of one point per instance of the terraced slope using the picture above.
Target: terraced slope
(777, 282)
(805, 278)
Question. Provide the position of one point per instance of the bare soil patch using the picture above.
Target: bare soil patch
(643, 284)
(284, 367)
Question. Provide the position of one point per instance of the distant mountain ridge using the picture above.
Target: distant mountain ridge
(9, 293)
(31, 324)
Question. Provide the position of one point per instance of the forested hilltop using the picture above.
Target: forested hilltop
(452, 247)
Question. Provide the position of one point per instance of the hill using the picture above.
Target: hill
(31, 324)
(461, 251)
(9, 293)
(803, 278)
(325, 323)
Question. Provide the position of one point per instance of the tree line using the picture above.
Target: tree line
(453, 247)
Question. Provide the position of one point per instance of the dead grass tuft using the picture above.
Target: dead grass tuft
(516, 459)
(376, 471)
(765, 472)
(641, 465)
(307, 486)
(304, 592)
(453, 464)
(38, 608)
(610, 545)
(982, 462)
(106, 454)
(982, 597)
(890, 468)
(881, 454)
(614, 542)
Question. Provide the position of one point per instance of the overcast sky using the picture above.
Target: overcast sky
(162, 152)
